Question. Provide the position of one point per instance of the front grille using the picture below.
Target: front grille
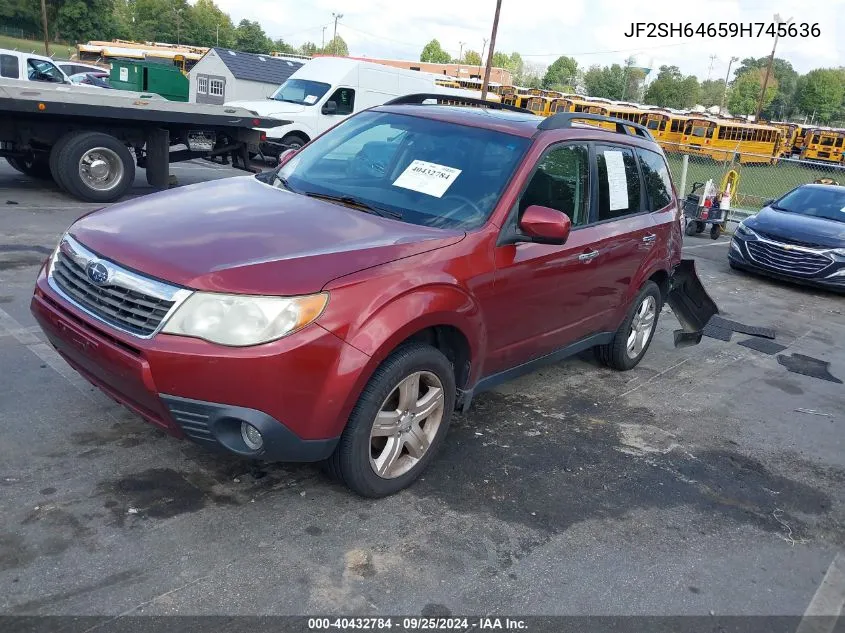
(785, 240)
(126, 309)
(789, 261)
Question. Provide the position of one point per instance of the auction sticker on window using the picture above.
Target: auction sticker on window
(310, 99)
(617, 180)
(428, 178)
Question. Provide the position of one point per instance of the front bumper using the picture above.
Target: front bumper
(831, 276)
(294, 390)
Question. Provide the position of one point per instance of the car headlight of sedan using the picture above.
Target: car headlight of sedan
(745, 231)
(243, 320)
(839, 251)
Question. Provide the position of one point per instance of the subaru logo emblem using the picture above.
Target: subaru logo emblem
(97, 272)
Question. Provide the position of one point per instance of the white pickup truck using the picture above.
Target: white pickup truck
(30, 67)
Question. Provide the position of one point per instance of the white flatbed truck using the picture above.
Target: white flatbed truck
(89, 140)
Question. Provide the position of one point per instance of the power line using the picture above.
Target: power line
(618, 50)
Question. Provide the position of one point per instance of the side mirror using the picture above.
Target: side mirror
(545, 225)
(286, 155)
(330, 107)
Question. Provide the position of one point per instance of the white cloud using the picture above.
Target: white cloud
(589, 30)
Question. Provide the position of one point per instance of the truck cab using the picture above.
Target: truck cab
(30, 67)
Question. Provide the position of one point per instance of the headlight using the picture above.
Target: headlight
(744, 230)
(242, 320)
(839, 251)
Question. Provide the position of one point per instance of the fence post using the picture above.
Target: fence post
(684, 167)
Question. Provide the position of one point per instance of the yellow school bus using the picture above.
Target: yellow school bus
(824, 145)
(539, 105)
(722, 139)
(626, 113)
(667, 128)
(447, 83)
(790, 134)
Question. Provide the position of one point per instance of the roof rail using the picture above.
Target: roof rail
(451, 99)
(564, 120)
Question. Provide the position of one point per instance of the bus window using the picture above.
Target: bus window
(827, 140)
(839, 140)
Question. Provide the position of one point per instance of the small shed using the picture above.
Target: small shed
(224, 75)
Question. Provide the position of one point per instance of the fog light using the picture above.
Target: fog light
(251, 436)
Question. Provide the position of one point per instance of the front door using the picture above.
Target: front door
(538, 304)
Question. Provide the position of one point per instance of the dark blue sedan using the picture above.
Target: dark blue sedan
(799, 237)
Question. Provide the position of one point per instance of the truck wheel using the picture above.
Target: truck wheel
(633, 337)
(35, 166)
(398, 423)
(95, 167)
(293, 141)
(54, 159)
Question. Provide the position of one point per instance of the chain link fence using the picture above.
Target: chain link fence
(761, 178)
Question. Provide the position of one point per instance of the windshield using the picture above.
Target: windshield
(424, 171)
(40, 70)
(653, 124)
(301, 91)
(702, 131)
(816, 202)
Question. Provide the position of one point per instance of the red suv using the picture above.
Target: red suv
(342, 306)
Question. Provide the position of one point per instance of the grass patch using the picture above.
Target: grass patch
(59, 51)
(757, 183)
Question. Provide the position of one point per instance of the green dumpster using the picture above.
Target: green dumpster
(159, 77)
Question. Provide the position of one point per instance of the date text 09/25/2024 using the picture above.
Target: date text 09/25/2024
(722, 29)
(485, 623)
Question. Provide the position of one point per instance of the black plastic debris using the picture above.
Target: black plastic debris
(687, 339)
(714, 331)
(742, 328)
(11, 202)
(762, 345)
(808, 366)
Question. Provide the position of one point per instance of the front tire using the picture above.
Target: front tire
(631, 340)
(398, 423)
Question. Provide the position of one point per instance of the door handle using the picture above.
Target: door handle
(649, 239)
(588, 257)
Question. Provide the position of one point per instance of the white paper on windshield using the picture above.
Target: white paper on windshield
(617, 181)
(309, 99)
(428, 178)
(124, 74)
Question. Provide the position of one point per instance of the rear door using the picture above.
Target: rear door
(623, 232)
(661, 200)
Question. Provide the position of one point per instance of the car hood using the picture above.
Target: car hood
(243, 236)
(268, 107)
(802, 228)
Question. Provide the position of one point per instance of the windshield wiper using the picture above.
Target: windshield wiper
(354, 203)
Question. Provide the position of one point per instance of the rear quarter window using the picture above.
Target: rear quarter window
(656, 179)
(9, 67)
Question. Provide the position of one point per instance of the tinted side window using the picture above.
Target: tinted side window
(561, 182)
(619, 182)
(345, 100)
(658, 184)
(9, 67)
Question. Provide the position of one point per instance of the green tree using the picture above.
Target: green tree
(783, 104)
(309, 48)
(21, 14)
(336, 46)
(671, 89)
(820, 93)
(501, 60)
(711, 91)
(250, 38)
(472, 58)
(81, 20)
(605, 82)
(209, 26)
(281, 46)
(516, 66)
(746, 89)
(562, 72)
(432, 52)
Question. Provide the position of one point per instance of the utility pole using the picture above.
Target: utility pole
(461, 52)
(44, 23)
(779, 21)
(336, 17)
(324, 38)
(481, 58)
(713, 58)
(178, 26)
(490, 52)
(218, 35)
(727, 77)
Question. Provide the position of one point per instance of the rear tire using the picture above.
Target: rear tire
(36, 166)
(690, 228)
(383, 449)
(620, 354)
(95, 167)
(700, 226)
(54, 160)
(293, 141)
(715, 231)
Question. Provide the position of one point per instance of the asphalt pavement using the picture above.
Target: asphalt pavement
(707, 481)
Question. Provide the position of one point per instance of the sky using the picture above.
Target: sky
(591, 31)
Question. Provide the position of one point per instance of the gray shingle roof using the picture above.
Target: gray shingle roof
(252, 67)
